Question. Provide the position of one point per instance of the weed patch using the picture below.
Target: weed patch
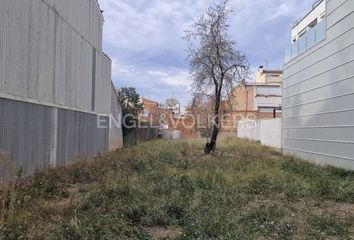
(170, 190)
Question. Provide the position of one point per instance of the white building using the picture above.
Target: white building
(318, 89)
(267, 98)
(268, 90)
(174, 106)
(271, 77)
(305, 24)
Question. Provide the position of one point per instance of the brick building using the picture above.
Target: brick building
(261, 99)
(184, 124)
(152, 113)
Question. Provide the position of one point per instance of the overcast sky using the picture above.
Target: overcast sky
(144, 39)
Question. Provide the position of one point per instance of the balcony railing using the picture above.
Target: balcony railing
(305, 42)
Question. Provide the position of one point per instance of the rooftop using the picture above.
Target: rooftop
(314, 6)
(316, 15)
(273, 71)
(254, 84)
(269, 71)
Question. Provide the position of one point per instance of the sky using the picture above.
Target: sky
(144, 39)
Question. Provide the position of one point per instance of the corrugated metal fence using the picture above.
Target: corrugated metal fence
(141, 135)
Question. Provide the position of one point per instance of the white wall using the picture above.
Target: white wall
(248, 129)
(315, 13)
(270, 132)
(266, 131)
(318, 94)
(269, 101)
(267, 96)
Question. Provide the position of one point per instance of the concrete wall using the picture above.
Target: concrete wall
(55, 83)
(50, 51)
(116, 133)
(34, 136)
(83, 15)
(318, 104)
(248, 129)
(268, 132)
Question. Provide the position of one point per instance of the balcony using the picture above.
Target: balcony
(312, 37)
(268, 91)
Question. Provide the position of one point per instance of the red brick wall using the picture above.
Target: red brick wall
(186, 125)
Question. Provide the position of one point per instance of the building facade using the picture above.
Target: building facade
(153, 113)
(261, 99)
(270, 77)
(174, 106)
(56, 94)
(164, 119)
(268, 92)
(318, 89)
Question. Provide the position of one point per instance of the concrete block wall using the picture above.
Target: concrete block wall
(318, 94)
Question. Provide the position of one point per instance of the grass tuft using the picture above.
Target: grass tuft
(170, 190)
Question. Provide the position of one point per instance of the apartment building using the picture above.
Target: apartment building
(268, 93)
(174, 106)
(260, 99)
(318, 86)
(270, 77)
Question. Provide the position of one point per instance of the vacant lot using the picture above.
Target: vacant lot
(169, 190)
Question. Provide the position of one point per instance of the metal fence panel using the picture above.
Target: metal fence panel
(28, 139)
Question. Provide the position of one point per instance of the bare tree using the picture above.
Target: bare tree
(201, 109)
(217, 66)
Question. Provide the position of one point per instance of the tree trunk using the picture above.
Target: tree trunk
(136, 134)
(210, 147)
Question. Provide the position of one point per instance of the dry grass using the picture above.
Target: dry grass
(170, 190)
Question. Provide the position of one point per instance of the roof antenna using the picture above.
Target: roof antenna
(267, 63)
